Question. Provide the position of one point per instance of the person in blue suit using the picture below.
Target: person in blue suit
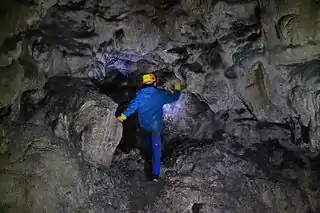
(149, 102)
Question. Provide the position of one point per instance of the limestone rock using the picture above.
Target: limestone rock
(242, 138)
(296, 22)
(83, 116)
(228, 177)
(10, 83)
(18, 16)
(304, 97)
(188, 118)
(39, 164)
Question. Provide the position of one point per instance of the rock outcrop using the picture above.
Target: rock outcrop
(77, 112)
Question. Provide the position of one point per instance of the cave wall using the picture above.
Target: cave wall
(262, 56)
(248, 115)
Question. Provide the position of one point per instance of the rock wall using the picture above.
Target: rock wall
(244, 136)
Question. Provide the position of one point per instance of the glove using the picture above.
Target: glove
(177, 86)
(122, 117)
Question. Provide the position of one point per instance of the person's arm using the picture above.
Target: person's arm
(132, 107)
(171, 97)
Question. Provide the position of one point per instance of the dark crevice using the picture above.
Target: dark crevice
(5, 111)
(230, 73)
(247, 107)
(277, 31)
(119, 34)
(264, 124)
(224, 116)
(196, 208)
(179, 50)
(258, 13)
(205, 46)
(166, 5)
(244, 119)
(305, 133)
(292, 125)
(74, 6)
(194, 67)
(213, 58)
(245, 53)
(118, 87)
(10, 43)
(254, 37)
(241, 29)
(240, 111)
(218, 135)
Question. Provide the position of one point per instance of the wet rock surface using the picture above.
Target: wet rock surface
(243, 137)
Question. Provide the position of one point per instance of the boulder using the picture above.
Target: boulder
(77, 112)
(38, 171)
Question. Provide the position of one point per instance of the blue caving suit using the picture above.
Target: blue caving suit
(149, 102)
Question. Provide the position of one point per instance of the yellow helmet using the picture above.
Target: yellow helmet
(149, 78)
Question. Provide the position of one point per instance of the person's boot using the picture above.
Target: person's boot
(155, 178)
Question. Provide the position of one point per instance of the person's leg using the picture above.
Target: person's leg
(147, 140)
(156, 154)
(146, 151)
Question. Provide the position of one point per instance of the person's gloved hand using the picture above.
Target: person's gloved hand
(177, 86)
(122, 117)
